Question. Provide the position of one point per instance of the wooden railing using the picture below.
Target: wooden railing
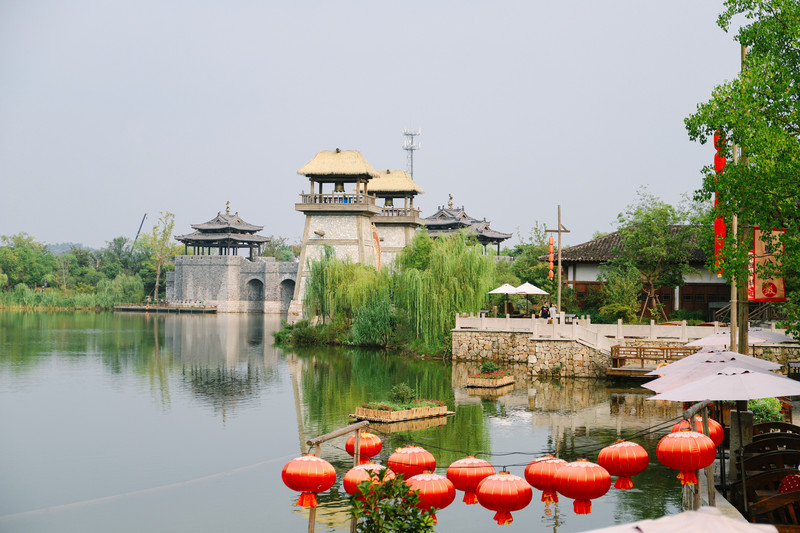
(399, 212)
(620, 355)
(337, 198)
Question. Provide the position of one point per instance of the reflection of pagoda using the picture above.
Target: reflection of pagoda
(396, 224)
(450, 220)
(225, 234)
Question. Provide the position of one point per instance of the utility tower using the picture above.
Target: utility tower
(409, 145)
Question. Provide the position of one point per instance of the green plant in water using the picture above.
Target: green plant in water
(765, 410)
(487, 367)
(401, 393)
(386, 505)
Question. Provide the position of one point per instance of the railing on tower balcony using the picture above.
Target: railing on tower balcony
(337, 198)
(398, 212)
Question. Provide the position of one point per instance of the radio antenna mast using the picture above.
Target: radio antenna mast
(409, 145)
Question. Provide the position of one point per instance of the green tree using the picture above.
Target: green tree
(25, 260)
(758, 111)
(383, 505)
(158, 242)
(622, 285)
(657, 241)
(280, 249)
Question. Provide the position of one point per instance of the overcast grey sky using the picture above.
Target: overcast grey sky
(110, 109)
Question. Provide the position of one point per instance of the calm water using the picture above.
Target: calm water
(183, 423)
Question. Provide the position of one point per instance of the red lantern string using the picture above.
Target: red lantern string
(434, 491)
(504, 493)
(582, 481)
(720, 232)
(467, 473)
(686, 451)
(411, 460)
(370, 445)
(361, 473)
(308, 474)
(715, 431)
(623, 459)
(540, 473)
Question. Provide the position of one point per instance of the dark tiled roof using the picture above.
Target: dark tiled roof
(225, 222)
(605, 249)
(219, 237)
(447, 220)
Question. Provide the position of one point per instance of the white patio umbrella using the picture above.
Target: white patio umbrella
(712, 355)
(705, 519)
(769, 336)
(530, 289)
(506, 289)
(704, 367)
(723, 338)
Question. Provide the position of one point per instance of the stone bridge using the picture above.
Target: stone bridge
(234, 284)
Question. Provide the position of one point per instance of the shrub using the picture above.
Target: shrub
(765, 410)
(401, 393)
(488, 367)
(373, 323)
(386, 505)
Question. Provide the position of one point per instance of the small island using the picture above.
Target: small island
(490, 377)
(402, 405)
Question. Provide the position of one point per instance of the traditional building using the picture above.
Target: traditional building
(396, 224)
(218, 277)
(449, 220)
(337, 218)
(702, 290)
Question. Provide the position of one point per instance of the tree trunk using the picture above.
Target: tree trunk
(158, 276)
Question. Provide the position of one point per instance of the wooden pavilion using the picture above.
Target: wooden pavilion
(448, 220)
(224, 235)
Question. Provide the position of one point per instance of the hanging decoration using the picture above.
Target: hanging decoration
(550, 257)
(308, 474)
(715, 431)
(370, 446)
(361, 473)
(504, 493)
(720, 144)
(686, 451)
(582, 481)
(411, 460)
(623, 459)
(541, 473)
(434, 491)
(465, 474)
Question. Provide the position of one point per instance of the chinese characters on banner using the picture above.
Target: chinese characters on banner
(761, 289)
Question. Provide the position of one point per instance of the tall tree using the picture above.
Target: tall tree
(759, 111)
(656, 240)
(159, 242)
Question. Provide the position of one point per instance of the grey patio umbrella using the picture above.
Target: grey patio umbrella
(530, 289)
(506, 289)
(703, 368)
(723, 338)
(705, 519)
(712, 355)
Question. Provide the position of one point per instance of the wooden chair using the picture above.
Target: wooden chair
(781, 510)
(772, 442)
(772, 461)
(773, 427)
(763, 481)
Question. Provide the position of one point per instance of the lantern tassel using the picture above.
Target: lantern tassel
(503, 518)
(307, 499)
(687, 477)
(582, 506)
(550, 496)
(470, 498)
(547, 510)
(624, 482)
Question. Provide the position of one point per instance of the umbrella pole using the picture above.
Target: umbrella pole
(722, 478)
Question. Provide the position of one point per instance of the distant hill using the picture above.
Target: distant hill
(64, 247)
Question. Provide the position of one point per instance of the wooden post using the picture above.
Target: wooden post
(561, 229)
(712, 491)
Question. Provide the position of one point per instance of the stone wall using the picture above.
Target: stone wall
(776, 352)
(544, 357)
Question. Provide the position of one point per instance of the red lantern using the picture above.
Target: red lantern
(411, 460)
(504, 493)
(623, 459)
(467, 473)
(370, 445)
(720, 142)
(364, 472)
(686, 451)
(583, 481)
(715, 431)
(719, 162)
(434, 491)
(308, 474)
(541, 474)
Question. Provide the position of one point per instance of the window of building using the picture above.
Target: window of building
(699, 297)
(687, 297)
(666, 297)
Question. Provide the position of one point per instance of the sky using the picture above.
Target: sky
(111, 109)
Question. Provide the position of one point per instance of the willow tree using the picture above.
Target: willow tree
(456, 279)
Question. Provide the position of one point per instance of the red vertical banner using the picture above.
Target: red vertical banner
(550, 257)
(761, 289)
(719, 222)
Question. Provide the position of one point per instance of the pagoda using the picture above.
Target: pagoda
(337, 218)
(225, 234)
(396, 224)
(449, 220)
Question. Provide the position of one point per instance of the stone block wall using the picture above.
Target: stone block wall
(544, 357)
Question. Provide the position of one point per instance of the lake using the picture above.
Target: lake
(137, 423)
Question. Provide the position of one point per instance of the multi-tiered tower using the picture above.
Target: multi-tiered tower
(397, 224)
(338, 218)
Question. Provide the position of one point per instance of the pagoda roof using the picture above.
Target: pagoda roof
(449, 220)
(346, 164)
(394, 183)
(226, 221)
(207, 237)
(605, 248)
